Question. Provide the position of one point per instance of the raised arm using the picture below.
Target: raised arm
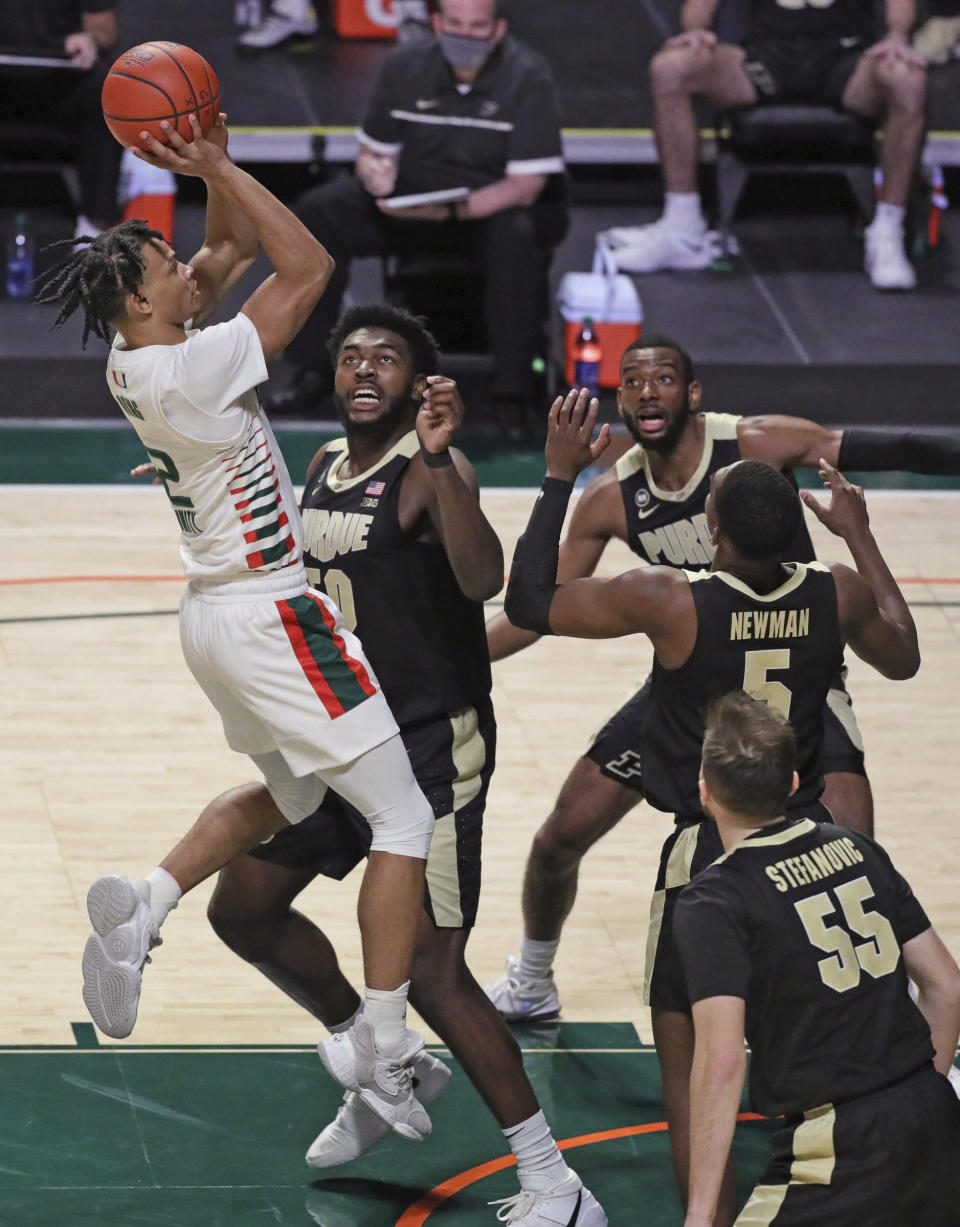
(452, 494)
(302, 267)
(874, 617)
(229, 241)
(789, 442)
(587, 535)
(651, 600)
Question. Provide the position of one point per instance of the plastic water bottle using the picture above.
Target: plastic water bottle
(20, 258)
(587, 355)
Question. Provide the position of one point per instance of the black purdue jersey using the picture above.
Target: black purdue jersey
(805, 921)
(826, 20)
(783, 647)
(669, 527)
(426, 641)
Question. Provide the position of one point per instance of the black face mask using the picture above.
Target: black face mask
(465, 52)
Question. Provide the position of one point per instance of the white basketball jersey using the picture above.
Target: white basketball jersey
(197, 412)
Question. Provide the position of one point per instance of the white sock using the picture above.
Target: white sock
(682, 211)
(540, 1165)
(348, 1023)
(888, 217)
(163, 893)
(386, 1012)
(536, 958)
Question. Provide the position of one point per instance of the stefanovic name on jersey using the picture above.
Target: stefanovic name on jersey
(770, 624)
(815, 865)
(329, 533)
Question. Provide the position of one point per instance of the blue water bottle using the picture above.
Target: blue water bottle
(587, 355)
(20, 258)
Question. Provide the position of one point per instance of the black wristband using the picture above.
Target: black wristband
(436, 460)
(533, 575)
(886, 449)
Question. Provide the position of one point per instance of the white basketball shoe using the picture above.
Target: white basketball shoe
(124, 930)
(649, 249)
(520, 1000)
(356, 1128)
(567, 1204)
(383, 1082)
(885, 260)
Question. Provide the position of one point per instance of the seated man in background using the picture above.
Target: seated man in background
(821, 53)
(471, 108)
(80, 31)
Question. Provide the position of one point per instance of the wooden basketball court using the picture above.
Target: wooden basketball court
(110, 750)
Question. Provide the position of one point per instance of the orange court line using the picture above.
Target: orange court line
(417, 1214)
(151, 579)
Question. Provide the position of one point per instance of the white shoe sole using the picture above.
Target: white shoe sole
(112, 958)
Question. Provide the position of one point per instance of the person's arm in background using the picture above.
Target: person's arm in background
(788, 442)
(98, 32)
(901, 16)
(534, 152)
(379, 134)
(696, 20)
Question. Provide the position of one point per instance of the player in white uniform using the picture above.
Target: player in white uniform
(291, 684)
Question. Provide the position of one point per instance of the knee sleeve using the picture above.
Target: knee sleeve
(381, 785)
(296, 797)
(404, 828)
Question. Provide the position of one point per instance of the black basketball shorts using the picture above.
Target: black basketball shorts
(616, 748)
(884, 1160)
(802, 69)
(453, 758)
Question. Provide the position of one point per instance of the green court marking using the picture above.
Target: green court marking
(211, 1137)
(85, 1035)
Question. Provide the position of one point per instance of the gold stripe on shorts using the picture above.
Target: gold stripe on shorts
(469, 752)
(677, 873)
(839, 703)
(813, 1163)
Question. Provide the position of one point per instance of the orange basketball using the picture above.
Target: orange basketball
(156, 81)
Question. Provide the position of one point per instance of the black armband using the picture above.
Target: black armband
(877, 449)
(533, 576)
(436, 460)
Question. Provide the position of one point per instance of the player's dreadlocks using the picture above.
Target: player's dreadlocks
(98, 277)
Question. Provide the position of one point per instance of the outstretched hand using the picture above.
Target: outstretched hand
(846, 515)
(202, 156)
(571, 447)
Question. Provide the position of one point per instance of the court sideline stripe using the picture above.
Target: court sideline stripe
(417, 1214)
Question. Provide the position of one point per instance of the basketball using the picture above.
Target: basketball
(156, 81)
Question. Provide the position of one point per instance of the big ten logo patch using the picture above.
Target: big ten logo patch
(365, 18)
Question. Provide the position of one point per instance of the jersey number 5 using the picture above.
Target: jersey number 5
(756, 666)
(877, 956)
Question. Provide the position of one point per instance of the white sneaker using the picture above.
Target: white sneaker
(647, 249)
(277, 28)
(885, 260)
(568, 1204)
(356, 1128)
(113, 958)
(384, 1083)
(523, 1000)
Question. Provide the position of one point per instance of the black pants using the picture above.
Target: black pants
(512, 249)
(71, 100)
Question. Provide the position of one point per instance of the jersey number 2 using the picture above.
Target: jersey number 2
(877, 956)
